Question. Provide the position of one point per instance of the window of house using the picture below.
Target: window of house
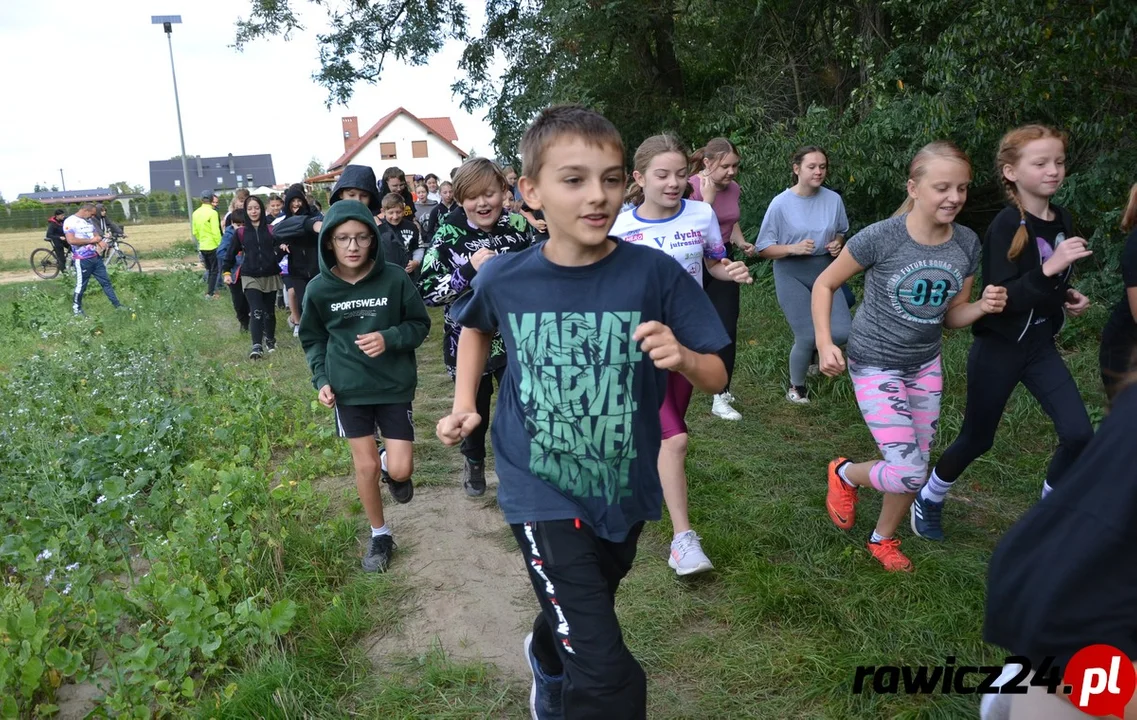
(177, 183)
(249, 177)
(387, 151)
(220, 180)
(418, 148)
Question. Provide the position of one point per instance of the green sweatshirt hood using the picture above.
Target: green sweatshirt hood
(340, 212)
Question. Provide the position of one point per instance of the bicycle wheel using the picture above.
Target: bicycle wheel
(44, 263)
(127, 257)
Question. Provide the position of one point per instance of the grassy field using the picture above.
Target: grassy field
(151, 241)
(777, 631)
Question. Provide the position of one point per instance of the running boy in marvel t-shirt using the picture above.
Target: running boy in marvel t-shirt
(590, 325)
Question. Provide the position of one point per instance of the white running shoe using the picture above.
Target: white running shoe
(296, 331)
(721, 408)
(687, 556)
(797, 396)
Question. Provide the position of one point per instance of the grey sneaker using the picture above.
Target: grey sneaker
(687, 556)
(474, 478)
(256, 353)
(378, 555)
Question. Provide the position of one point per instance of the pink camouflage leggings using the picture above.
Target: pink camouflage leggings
(902, 409)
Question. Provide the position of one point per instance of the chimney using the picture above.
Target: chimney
(350, 132)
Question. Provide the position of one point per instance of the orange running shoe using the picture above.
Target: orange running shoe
(841, 500)
(887, 551)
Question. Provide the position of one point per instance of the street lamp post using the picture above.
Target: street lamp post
(166, 21)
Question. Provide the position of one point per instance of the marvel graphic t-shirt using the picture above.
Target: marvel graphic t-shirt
(577, 432)
(687, 236)
(908, 288)
(82, 229)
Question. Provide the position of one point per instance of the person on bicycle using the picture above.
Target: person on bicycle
(105, 226)
(86, 243)
(57, 237)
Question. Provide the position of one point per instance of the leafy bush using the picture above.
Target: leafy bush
(144, 549)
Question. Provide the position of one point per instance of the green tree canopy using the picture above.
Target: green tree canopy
(871, 80)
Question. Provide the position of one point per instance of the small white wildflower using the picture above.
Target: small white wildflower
(67, 589)
(50, 576)
(72, 567)
(45, 555)
(102, 499)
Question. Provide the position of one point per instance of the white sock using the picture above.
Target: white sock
(841, 474)
(679, 534)
(1046, 489)
(937, 488)
(877, 537)
(376, 532)
(383, 459)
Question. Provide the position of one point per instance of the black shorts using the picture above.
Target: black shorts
(392, 422)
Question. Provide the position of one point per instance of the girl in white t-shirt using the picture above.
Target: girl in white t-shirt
(688, 231)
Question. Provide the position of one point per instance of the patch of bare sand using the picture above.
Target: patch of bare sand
(470, 592)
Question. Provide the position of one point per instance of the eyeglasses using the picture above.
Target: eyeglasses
(361, 241)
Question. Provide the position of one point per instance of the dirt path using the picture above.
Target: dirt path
(11, 277)
(472, 596)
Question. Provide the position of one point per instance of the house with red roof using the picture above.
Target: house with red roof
(417, 146)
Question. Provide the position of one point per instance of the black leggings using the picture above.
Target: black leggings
(995, 366)
(262, 315)
(474, 445)
(725, 296)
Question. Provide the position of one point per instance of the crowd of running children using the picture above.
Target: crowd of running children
(598, 306)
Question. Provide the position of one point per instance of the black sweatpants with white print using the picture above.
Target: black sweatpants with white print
(575, 575)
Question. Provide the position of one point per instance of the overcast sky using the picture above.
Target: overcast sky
(87, 88)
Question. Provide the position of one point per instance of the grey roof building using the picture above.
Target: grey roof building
(228, 172)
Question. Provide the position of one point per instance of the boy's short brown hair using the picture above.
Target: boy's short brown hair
(477, 176)
(561, 121)
(393, 201)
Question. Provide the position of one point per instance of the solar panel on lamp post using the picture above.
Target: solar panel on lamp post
(166, 21)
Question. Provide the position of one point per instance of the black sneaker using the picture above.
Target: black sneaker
(256, 353)
(378, 556)
(270, 346)
(403, 491)
(474, 478)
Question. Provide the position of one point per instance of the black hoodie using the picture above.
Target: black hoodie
(261, 248)
(297, 231)
(1031, 296)
(359, 177)
(55, 230)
